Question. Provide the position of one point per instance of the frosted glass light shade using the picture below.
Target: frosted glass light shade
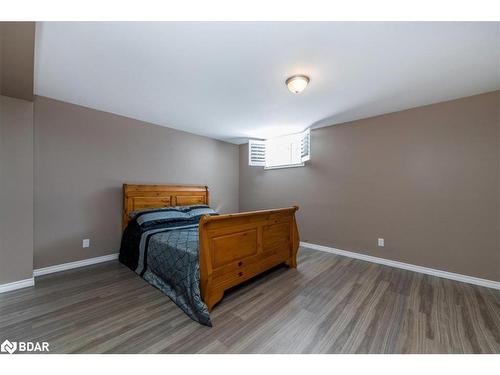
(297, 83)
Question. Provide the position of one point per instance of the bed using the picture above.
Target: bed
(176, 242)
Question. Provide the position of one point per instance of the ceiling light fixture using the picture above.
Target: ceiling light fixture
(297, 83)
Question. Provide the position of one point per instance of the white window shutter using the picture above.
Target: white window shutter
(305, 146)
(256, 153)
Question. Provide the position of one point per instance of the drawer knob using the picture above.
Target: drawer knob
(240, 273)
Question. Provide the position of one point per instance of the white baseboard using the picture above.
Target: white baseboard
(406, 266)
(17, 285)
(71, 265)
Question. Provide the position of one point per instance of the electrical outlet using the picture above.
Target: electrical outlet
(381, 242)
(86, 243)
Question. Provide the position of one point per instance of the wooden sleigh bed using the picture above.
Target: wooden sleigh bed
(232, 247)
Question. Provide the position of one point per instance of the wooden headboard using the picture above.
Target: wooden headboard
(137, 197)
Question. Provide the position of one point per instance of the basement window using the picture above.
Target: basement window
(281, 152)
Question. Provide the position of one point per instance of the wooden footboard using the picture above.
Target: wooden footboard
(237, 247)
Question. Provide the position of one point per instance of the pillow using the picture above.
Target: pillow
(150, 217)
(160, 216)
(196, 212)
(133, 214)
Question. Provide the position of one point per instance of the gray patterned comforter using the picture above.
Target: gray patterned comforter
(162, 247)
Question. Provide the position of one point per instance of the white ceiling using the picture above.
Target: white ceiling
(226, 80)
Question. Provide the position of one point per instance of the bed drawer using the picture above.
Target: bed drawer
(227, 277)
(244, 262)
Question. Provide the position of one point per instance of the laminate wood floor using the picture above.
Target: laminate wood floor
(330, 304)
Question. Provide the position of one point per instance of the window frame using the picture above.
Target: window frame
(297, 140)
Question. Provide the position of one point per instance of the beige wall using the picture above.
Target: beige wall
(1, 56)
(16, 189)
(18, 46)
(498, 201)
(425, 179)
(82, 158)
